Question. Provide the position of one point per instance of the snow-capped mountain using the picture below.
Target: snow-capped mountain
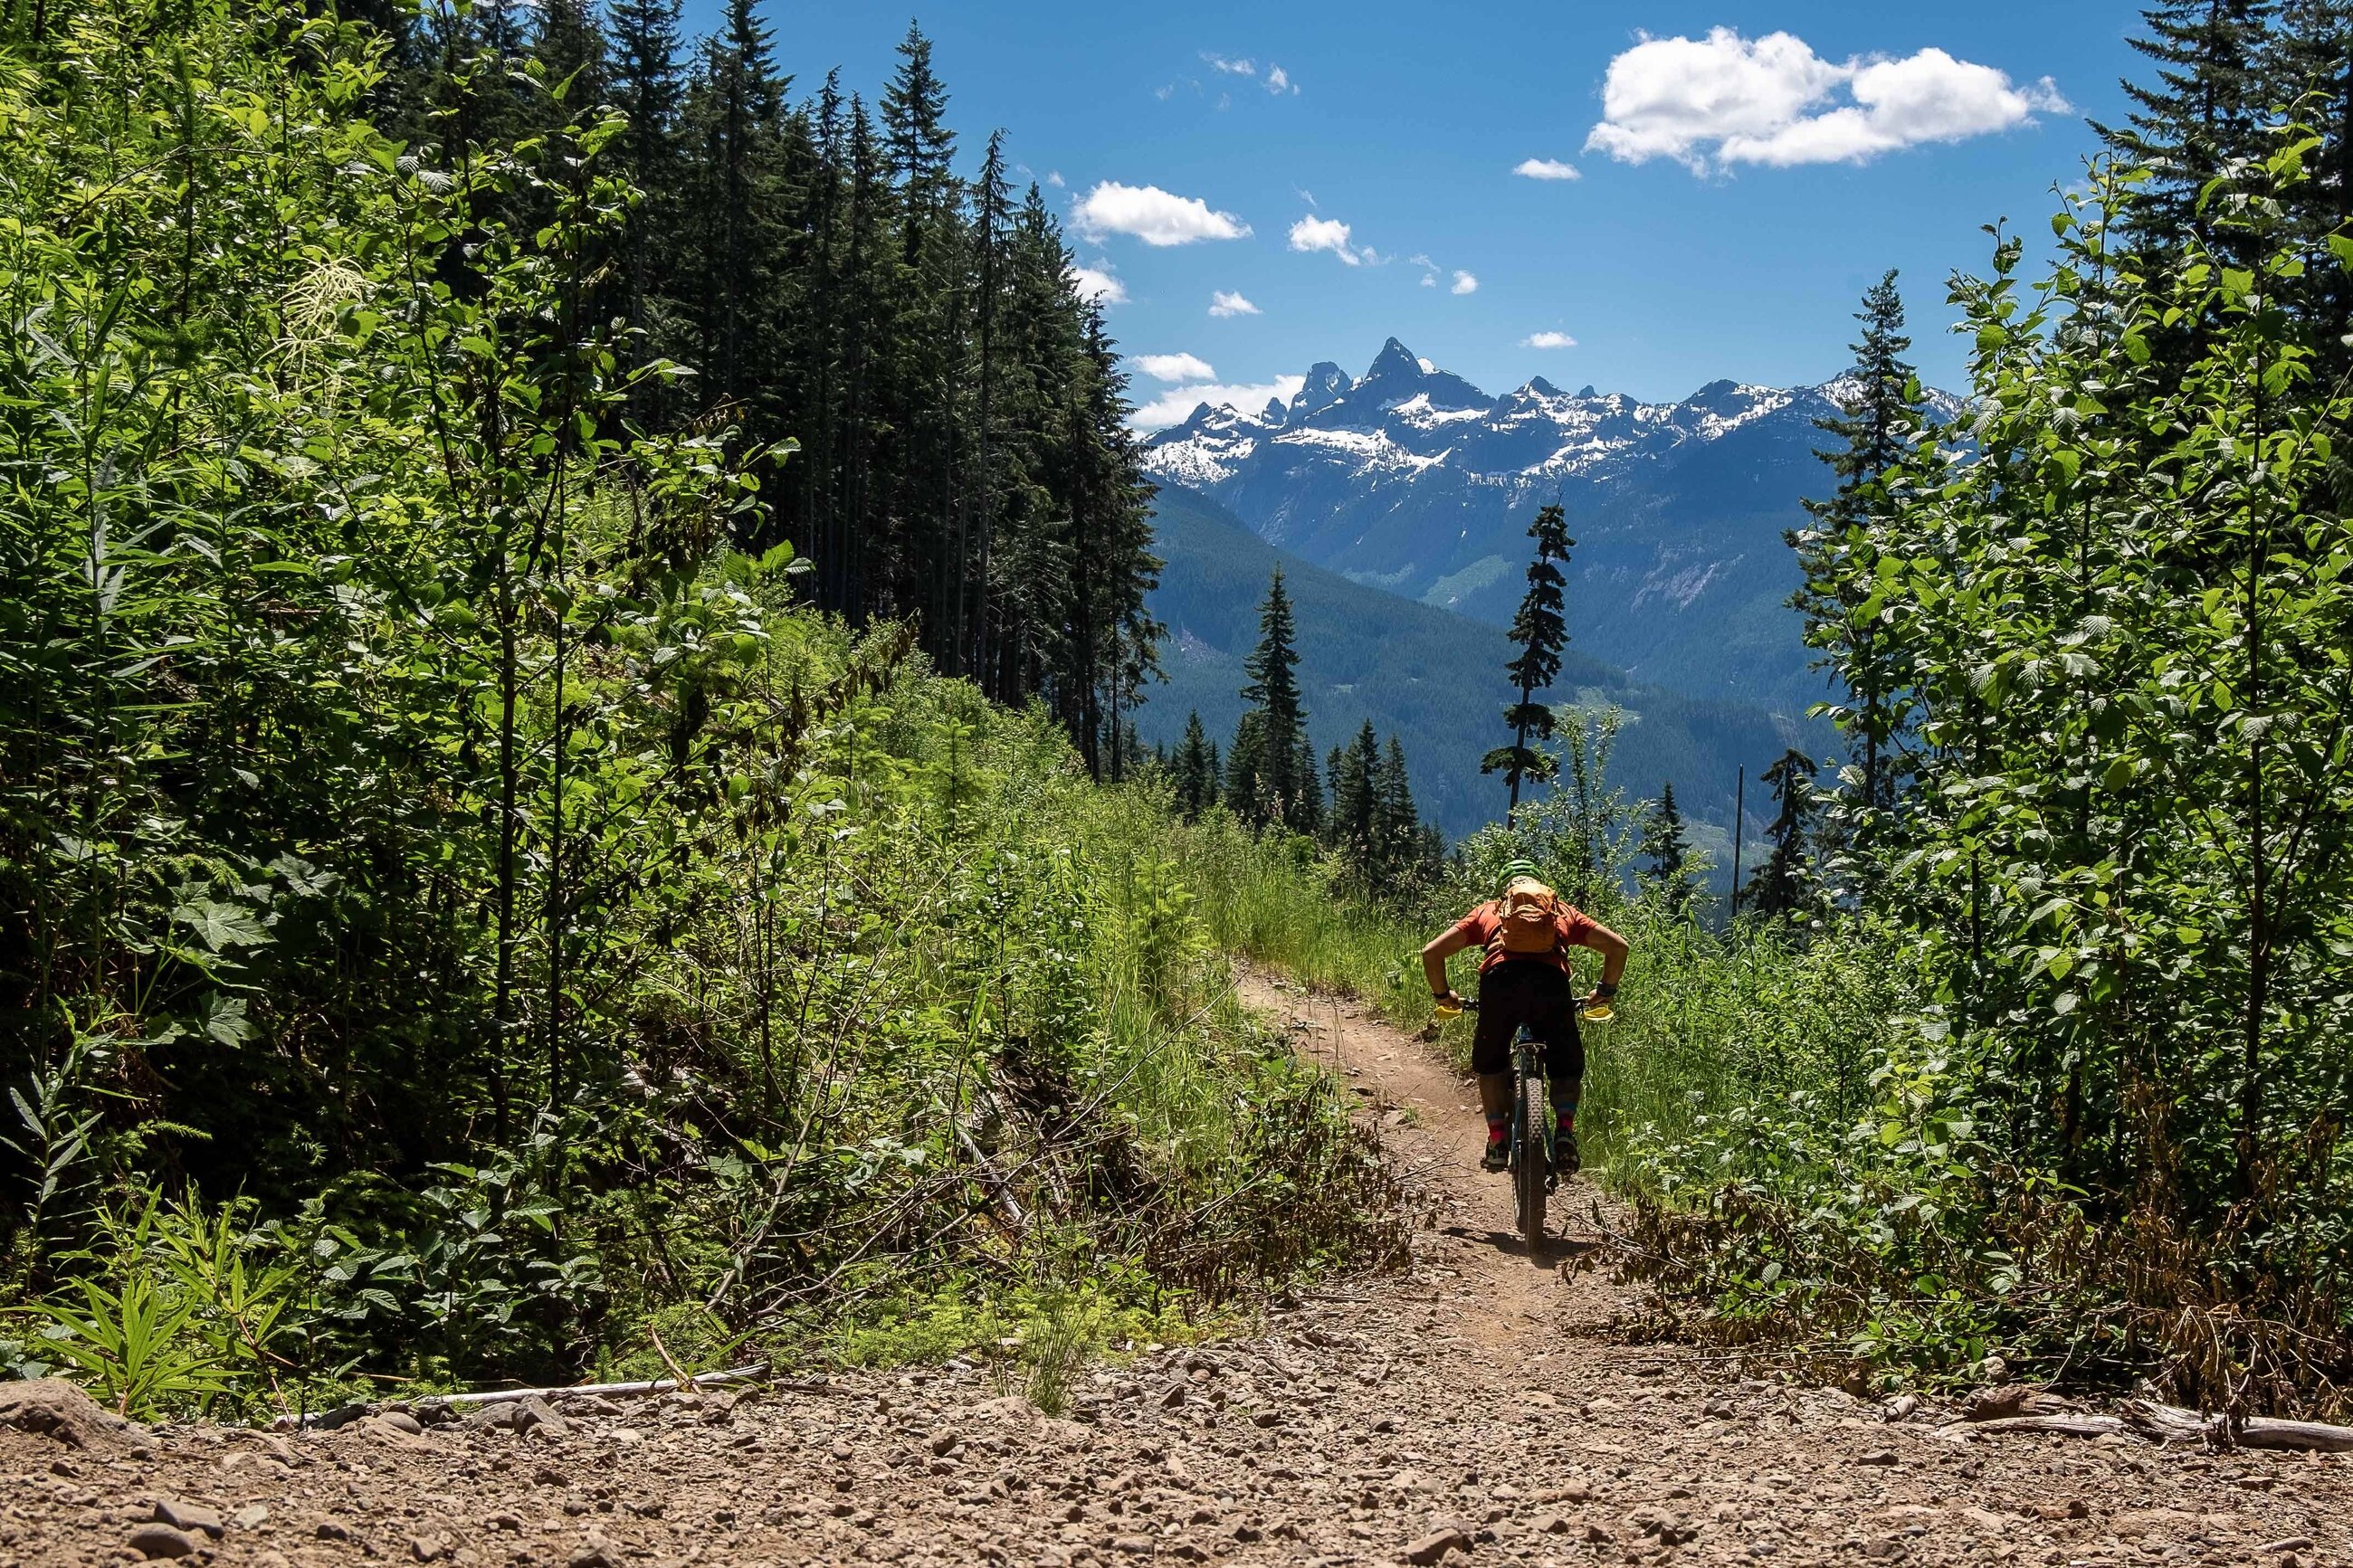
(1410, 479)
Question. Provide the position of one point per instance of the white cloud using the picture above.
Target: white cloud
(1547, 341)
(1278, 82)
(1729, 100)
(1464, 283)
(1232, 67)
(1174, 367)
(1429, 279)
(1098, 283)
(1176, 404)
(1225, 303)
(1152, 215)
(1545, 168)
(1313, 233)
(1054, 178)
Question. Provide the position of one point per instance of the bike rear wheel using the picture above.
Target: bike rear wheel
(1531, 1163)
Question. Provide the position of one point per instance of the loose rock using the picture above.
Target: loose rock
(53, 1408)
(1434, 1546)
(158, 1540)
(189, 1517)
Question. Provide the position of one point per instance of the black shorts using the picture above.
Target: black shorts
(1531, 991)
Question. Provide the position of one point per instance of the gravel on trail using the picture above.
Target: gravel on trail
(1474, 1409)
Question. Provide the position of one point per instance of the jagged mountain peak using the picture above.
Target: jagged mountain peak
(1327, 384)
(1396, 360)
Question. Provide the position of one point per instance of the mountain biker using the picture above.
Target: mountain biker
(1525, 934)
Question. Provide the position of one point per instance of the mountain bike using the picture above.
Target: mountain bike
(1533, 1127)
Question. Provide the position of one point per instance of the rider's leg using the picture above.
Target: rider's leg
(1491, 1058)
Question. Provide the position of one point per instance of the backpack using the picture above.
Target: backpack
(1527, 918)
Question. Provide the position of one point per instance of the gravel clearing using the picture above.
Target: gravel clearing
(1472, 1411)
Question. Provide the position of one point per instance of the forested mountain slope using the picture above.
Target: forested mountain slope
(1410, 479)
(1431, 676)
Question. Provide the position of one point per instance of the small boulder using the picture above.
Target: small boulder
(540, 1418)
(596, 1551)
(53, 1408)
(1434, 1546)
(189, 1517)
(156, 1541)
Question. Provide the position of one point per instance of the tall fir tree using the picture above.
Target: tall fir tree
(1541, 630)
(647, 86)
(2308, 73)
(1667, 853)
(569, 45)
(2204, 112)
(1784, 884)
(1878, 431)
(1402, 844)
(1278, 795)
(1355, 803)
(1194, 770)
(1243, 794)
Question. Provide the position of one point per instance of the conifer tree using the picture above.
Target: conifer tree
(1541, 630)
(1355, 817)
(1784, 884)
(1194, 771)
(2204, 111)
(2308, 73)
(647, 87)
(1667, 849)
(1243, 793)
(1402, 844)
(1279, 794)
(570, 46)
(1308, 817)
(1878, 431)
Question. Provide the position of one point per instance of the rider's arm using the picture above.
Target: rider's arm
(1612, 949)
(1447, 943)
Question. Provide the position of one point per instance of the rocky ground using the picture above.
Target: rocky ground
(1473, 1410)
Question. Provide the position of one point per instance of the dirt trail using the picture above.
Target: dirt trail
(1472, 1409)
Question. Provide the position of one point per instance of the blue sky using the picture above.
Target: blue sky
(1769, 165)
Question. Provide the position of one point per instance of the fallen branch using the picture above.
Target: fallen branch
(2170, 1423)
(581, 1391)
(2064, 1425)
(2165, 1423)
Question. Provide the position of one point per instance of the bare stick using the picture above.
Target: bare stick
(659, 1385)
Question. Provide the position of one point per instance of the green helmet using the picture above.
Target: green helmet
(1512, 870)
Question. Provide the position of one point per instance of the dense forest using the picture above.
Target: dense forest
(825, 275)
(492, 857)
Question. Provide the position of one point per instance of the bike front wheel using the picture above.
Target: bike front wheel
(1532, 1162)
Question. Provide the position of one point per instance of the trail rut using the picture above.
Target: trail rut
(1472, 1408)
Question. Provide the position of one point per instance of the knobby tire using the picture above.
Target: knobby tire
(1529, 1166)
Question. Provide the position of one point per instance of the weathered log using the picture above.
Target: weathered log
(2063, 1425)
(2171, 1423)
(659, 1386)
